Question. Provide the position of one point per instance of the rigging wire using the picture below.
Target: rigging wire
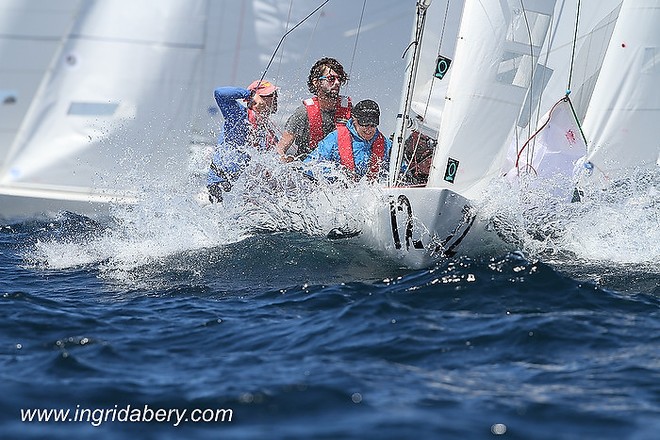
(395, 178)
(530, 151)
(279, 65)
(442, 36)
(286, 28)
(544, 77)
(284, 36)
(311, 38)
(357, 36)
(570, 73)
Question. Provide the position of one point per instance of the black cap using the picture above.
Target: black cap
(366, 112)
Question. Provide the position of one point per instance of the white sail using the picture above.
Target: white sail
(429, 90)
(621, 124)
(495, 59)
(569, 60)
(152, 59)
(515, 61)
(37, 28)
(569, 63)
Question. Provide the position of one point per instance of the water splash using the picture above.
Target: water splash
(617, 223)
(173, 216)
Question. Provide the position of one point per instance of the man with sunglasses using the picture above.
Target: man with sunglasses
(358, 146)
(246, 112)
(319, 115)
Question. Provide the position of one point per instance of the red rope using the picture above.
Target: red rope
(537, 131)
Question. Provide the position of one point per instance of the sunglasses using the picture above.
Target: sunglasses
(368, 124)
(332, 78)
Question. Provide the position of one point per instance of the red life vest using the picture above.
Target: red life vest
(255, 126)
(342, 114)
(345, 146)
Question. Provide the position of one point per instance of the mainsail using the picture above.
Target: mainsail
(65, 145)
(37, 28)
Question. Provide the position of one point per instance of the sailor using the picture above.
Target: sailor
(319, 115)
(247, 124)
(358, 146)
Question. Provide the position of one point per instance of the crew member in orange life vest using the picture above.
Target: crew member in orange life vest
(359, 146)
(247, 124)
(319, 115)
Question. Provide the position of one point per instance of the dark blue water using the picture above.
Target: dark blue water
(302, 337)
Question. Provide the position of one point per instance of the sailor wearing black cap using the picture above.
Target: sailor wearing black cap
(359, 146)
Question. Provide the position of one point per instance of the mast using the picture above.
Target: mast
(403, 123)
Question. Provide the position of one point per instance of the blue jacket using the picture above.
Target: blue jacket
(229, 157)
(328, 151)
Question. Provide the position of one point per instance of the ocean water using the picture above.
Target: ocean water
(171, 322)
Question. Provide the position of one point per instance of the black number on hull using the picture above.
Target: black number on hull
(449, 244)
(399, 205)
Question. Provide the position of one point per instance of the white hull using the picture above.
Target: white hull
(24, 201)
(422, 226)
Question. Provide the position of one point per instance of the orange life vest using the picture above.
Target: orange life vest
(342, 114)
(345, 146)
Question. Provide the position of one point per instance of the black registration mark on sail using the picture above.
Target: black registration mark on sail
(452, 168)
(441, 66)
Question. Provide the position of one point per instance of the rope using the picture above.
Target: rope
(538, 131)
(442, 36)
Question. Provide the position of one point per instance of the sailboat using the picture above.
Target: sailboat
(119, 94)
(64, 154)
(508, 66)
(485, 86)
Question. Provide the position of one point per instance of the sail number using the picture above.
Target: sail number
(441, 66)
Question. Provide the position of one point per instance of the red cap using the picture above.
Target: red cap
(265, 88)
